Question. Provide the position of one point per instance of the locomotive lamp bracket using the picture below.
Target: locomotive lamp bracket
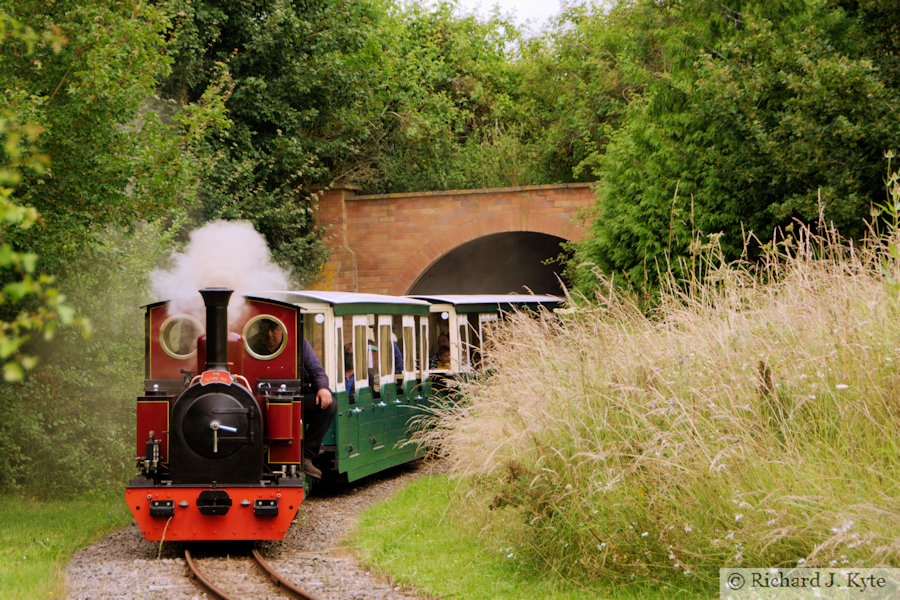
(162, 508)
(265, 508)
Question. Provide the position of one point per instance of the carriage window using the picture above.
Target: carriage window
(314, 333)
(409, 349)
(385, 350)
(343, 365)
(439, 330)
(360, 352)
(423, 343)
(464, 346)
(487, 324)
(265, 337)
(178, 336)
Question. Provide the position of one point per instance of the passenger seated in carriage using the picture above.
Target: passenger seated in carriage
(443, 341)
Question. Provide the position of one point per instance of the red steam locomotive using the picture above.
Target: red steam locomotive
(219, 427)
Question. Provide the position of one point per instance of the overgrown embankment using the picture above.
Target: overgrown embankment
(752, 420)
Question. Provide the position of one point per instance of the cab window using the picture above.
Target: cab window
(265, 337)
(178, 336)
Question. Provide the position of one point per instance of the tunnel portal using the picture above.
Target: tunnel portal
(500, 263)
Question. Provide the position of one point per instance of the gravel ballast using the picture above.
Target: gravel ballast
(125, 566)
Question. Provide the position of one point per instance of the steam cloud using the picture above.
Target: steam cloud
(228, 254)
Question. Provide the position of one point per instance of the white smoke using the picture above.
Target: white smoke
(229, 254)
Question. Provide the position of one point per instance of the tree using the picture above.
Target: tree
(761, 115)
(348, 92)
(29, 302)
(113, 159)
(449, 108)
(296, 69)
(107, 170)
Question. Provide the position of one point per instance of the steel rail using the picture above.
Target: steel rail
(276, 579)
(279, 580)
(206, 583)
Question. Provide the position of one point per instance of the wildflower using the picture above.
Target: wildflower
(842, 386)
(801, 561)
(730, 535)
(687, 528)
(645, 534)
(738, 517)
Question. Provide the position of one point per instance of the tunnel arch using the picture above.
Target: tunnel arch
(497, 263)
(456, 234)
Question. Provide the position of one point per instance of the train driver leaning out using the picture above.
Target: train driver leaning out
(318, 408)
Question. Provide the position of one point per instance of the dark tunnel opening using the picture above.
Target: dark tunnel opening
(500, 263)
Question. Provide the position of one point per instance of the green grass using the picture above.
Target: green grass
(419, 538)
(37, 537)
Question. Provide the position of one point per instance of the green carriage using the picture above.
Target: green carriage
(374, 350)
(466, 320)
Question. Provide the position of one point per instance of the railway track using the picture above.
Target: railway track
(256, 559)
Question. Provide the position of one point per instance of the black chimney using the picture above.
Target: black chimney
(216, 300)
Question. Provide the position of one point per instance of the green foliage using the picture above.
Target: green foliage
(448, 107)
(364, 93)
(39, 536)
(82, 395)
(113, 158)
(90, 148)
(294, 107)
(751, 117)
(30, 305)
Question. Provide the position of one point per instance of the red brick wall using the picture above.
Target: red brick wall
(381, 244)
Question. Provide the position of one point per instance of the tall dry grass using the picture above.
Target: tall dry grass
(752, 420)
